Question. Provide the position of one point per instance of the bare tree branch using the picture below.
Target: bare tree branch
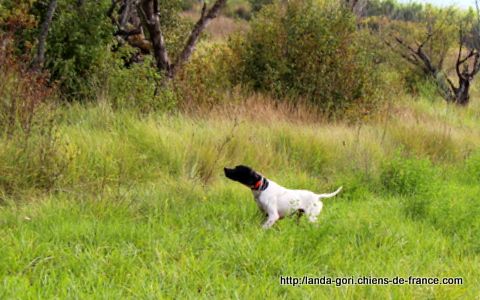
(205, 18)
(410, 57)
(419, 56)
(135, 15)
(467, 64)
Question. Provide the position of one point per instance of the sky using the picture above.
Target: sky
(459, 3)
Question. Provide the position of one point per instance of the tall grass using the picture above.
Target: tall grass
(142, 209)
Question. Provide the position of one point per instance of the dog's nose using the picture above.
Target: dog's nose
(226, 171)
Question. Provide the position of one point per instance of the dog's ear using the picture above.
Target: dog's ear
(243, 174)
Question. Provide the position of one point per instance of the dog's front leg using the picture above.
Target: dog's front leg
(272, 218)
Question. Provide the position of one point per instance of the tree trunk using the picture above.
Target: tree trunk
(39, 59)
(150, 12)
(125, 14)
(462, 94)
(152, 22)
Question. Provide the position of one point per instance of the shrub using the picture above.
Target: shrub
(308, 50)
(77, 41)
(414, 180)
(407, 176)
(22, 93)
(241, 10)
(17, 20)
(138, 87)
(205, 79)
(188, 4)
(31, 152)
(258, 4)
(36, 162)
(414, 28)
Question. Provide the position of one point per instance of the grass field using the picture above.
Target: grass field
(141, 208)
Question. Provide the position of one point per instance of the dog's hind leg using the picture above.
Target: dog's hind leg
(314, 210)
(300, 213)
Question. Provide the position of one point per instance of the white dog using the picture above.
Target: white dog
(275, 200)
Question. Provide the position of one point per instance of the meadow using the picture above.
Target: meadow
(139, 206)
(111, 164)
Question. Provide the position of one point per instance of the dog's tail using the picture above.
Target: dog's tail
(321, 196)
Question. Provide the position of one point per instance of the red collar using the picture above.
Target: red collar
(260, 185)
(257, 185)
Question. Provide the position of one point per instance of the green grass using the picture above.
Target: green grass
(143, 210)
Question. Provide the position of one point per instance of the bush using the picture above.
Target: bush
(138, 87)
(34, 162)
(188, 4)
(22, 93)
(17, 23)
(258, 4)
(78, 40)
(205, 79)
(31, 152)
(308, 50)
(407, 176)
(413, 179)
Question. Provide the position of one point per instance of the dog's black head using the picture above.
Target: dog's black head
(243, 174)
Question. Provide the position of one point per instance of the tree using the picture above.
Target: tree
(431, 63)
(145, 16)
(466, 68)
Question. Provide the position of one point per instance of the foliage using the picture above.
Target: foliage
(436, 30)
(394, 10)
(188, 4)
(21, 94)
(309, 50)
(31, 155)
(137, 87)
(78, 40)
(258, 4)
(204, 81)
(239, 10)
(175, 28)
(19, 23)
(407, 176)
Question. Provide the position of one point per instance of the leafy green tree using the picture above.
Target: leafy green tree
(79, 39)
